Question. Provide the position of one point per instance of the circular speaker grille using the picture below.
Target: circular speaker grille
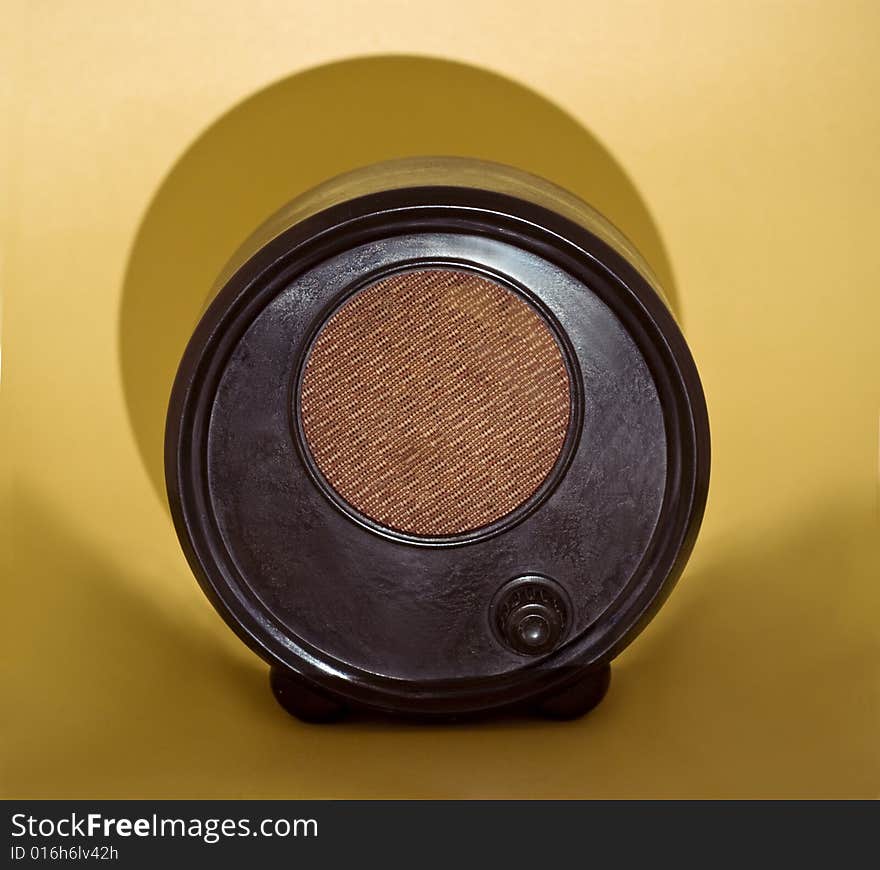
(435, 402)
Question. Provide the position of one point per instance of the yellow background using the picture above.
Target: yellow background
(736, 142)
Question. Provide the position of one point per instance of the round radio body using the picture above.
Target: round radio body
(437, 445)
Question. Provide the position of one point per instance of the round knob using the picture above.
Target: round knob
(534, 630)
(530, 615)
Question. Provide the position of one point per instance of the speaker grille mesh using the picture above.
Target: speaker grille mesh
(435, 402)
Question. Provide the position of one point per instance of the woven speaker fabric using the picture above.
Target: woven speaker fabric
(435, 402)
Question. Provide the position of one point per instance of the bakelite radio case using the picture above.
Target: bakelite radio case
(350, 613)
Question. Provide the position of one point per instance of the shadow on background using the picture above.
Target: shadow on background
(759, 679)
(311, 127)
